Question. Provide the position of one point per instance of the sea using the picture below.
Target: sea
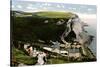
(92, 30)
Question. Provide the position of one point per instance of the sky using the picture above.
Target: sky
(33, 6)
(84, 11)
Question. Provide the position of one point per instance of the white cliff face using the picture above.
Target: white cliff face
(74, 24)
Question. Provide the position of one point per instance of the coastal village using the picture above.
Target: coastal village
(67, 50)
(53, 51)
(70, 51)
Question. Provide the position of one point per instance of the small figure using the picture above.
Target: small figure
(35, 52)
(40, 60)
(30, 50)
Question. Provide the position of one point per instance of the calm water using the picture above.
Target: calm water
(92, 28)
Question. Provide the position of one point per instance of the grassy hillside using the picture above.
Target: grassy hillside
(54, 14)
(19, 56)
(47, 14)
(31, 28)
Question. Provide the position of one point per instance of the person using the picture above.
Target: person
(35, 52)
(44, 58)
(30, 50)
(40, 60)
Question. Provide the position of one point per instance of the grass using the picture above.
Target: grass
(47, 14)
(51, 14)
(21, 57)
(58, 60)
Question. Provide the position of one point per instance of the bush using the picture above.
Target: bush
(21, 57)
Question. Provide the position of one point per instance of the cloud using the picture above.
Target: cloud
(86, 15)
(63, 6)
(70, 8)
(58, 6)
(49, 4)
(74, 8)
(89, 9)
(44, 8)
(83, 7)
(46, 4)
(30, 4)
(13, 6)
(19, 6)
(29, 7)
(37, 10)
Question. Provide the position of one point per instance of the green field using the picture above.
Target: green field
(47, 14)
(54, 14)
